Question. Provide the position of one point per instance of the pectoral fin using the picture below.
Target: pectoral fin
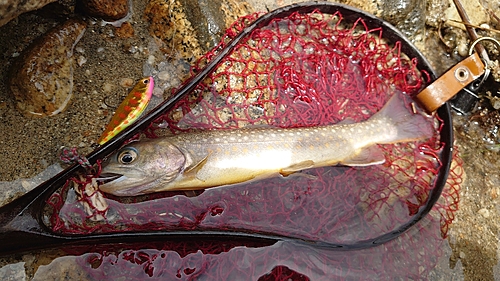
(296, 167)
(369, 156)
(192, 170)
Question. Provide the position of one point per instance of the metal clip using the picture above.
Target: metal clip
(466, 100)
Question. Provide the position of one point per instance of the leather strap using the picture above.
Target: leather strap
(451, 82)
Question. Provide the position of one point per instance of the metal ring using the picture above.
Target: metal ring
(471, 49)
(486, 63)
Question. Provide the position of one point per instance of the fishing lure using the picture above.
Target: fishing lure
(130, 109)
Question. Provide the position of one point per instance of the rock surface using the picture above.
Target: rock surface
(126, 30)
(109, 10)
(190, 28)
(42, 78)
(11, 9)
(475, 11)
(407, 15)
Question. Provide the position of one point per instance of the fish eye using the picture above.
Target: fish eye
(127, 156)
(145, 81)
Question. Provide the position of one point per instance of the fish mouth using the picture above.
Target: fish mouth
(108, 177)
(127, 184)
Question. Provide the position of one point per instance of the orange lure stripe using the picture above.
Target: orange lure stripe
(130, 109)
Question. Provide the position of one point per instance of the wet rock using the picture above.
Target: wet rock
(10, 9)
(125, 31)
(190, 28)
(13, 271)
(436, 12)
(42, 78)
(407, 15)
(475, 11)
(109, 10)
(484, 212)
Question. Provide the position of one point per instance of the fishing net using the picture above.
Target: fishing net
(412, 256)
(300, 71)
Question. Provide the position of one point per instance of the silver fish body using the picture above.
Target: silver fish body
(204, 159)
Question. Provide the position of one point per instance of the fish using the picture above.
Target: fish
(129, 110)
(213, 158)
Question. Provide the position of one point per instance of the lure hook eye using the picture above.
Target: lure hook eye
(127, 156)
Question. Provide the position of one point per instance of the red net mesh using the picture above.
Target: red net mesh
(304, 70)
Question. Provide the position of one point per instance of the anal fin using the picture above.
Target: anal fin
(296, 167)
(371, 155)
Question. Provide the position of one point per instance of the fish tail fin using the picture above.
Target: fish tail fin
(404, 125)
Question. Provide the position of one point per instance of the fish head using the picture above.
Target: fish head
(142, 167)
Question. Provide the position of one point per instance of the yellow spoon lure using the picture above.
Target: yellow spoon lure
(130, 109)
